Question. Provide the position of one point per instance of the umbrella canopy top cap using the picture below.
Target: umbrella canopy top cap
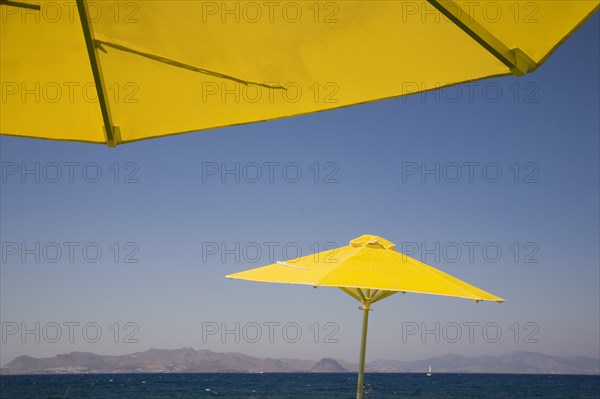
(371, 241)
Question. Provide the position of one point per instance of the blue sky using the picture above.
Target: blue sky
(529, 234)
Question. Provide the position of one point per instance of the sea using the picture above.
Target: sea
(301, 385)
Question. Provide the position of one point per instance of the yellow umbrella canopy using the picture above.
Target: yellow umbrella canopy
(120, 71)
(369, 270)
(368, 263)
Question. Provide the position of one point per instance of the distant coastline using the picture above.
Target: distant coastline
(188, 360)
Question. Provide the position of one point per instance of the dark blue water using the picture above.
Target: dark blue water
(288, 386)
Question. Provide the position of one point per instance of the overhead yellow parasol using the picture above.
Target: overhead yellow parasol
(119, 71)
(369, 270)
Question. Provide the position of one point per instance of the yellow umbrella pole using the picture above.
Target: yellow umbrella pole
(363, 349)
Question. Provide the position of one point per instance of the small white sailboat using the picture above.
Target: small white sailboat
(429, 372)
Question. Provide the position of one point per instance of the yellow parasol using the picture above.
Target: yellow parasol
(369, 270)
(119, 71)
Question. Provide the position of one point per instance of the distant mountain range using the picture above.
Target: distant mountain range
(187, 360)
(513, 363)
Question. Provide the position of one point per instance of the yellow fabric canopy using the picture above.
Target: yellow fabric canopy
(368, 263)
(120, 71)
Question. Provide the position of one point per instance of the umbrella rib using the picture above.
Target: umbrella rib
(112, 132)
(361, 294)
(349, 292)
(383, 295)
(20, 4)
(515, 59)
(182, 65)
